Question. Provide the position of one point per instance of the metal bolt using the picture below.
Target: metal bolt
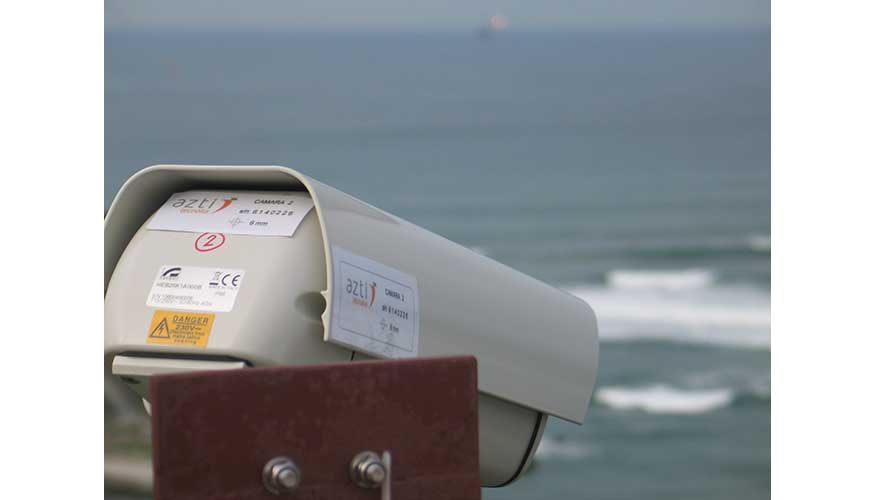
(375, 473)
(367, 470)
(281, 476)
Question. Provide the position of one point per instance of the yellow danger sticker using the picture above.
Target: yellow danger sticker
(180, 328)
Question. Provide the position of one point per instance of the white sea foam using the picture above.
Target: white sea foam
(684, 279)
(480, 249)
(552, 449)
(714, 314)
(760, 242)
(664, 399)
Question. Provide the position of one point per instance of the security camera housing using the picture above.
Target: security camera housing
(284, 270)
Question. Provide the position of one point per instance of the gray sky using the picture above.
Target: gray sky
(434, 15)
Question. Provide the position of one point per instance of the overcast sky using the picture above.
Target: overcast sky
(434, 15)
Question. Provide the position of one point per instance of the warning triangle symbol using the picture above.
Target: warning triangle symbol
(162, 331)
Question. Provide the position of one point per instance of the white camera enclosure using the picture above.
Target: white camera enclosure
(215, 267)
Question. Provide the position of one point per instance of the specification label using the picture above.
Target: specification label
(195, 288)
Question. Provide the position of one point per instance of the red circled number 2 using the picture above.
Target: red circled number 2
(207, 242)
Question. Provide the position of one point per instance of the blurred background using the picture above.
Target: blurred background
(618, 150)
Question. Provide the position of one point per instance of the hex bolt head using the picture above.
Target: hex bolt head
(288, 478)
(367, 470)
(281, 476)
(376, 473)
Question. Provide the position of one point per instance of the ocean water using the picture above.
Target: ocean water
(629, 169)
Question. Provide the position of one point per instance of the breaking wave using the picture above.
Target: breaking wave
(682, 306)
(664, 399)
(760, 243)
(553, 449)
(480, 249)
(685, 279)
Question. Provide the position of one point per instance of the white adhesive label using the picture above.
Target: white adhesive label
(195, 288)
(260, 214)
(375, 308)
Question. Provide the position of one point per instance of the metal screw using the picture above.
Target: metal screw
(281, 476)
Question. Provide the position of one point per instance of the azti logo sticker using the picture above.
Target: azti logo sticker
(375, 308)
(208, 242)
(260, 214)
(201, 204)
(362, 293)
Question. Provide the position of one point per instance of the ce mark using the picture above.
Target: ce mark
(228, 280)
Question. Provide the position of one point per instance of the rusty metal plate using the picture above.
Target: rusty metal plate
(212, 432)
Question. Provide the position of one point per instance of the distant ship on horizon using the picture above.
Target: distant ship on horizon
(495, 24)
